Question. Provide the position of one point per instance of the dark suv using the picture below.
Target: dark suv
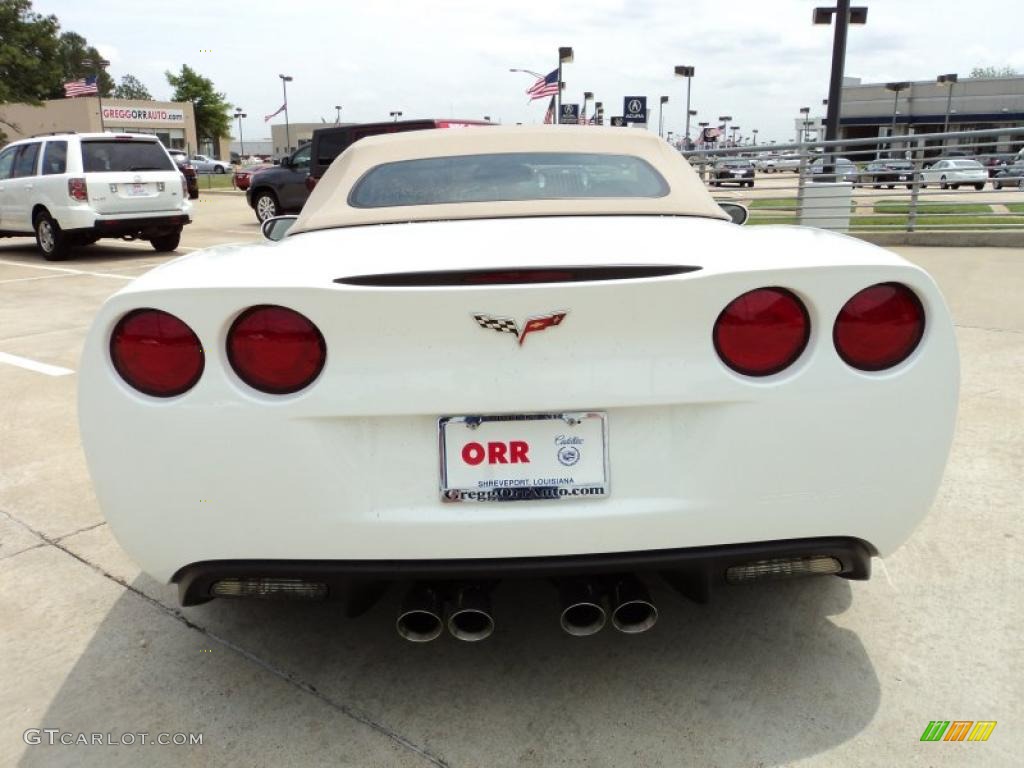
(284, 189)
(281, 189)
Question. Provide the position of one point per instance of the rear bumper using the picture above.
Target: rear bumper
(694, 571)
(117, 226)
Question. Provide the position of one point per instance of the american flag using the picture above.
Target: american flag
(274, 114)
(84, 86)
(549, 116)
(545, 86)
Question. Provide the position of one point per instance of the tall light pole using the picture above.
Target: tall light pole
(564, 57)
(949, 81)
(724, 120)
(661, 118)
(285, 79)
(895, 88)
(97, 66)
(687, 72)
(804, 112)
(395, 115)
(239, 114)
(587, 96)
(337, 114)
(754, 131)
(735, 129)
(845, 15)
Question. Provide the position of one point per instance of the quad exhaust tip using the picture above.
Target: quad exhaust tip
(582, 612)
(419, 619)
(633, 611)
(470, 618)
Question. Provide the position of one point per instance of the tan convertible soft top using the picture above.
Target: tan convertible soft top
(328, 206)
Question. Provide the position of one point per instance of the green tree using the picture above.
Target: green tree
(211, 108)
(79, 59)
(29, 64)
(993, 72)
(131, 88)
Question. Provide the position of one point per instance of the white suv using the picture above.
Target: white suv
(72, 189)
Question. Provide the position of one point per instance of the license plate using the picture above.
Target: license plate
(524, 457)
(903, 178)
(137, 190)
(737, 173)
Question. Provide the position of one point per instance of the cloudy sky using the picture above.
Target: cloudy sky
(757, 60)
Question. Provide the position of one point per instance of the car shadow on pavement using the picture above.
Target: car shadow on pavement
(760, 676)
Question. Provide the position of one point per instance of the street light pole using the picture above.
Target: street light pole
(895, 88)
(285, 79)
(337, 114)
(845, 15)
(687, 72)
(239, 114)
(395, 115)
(949, 81)
(724, 120)
(587, 96)
(564, 57)
(661, 118)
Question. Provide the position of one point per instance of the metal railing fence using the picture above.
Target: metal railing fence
(879, 184)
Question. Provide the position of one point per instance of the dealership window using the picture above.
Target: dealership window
(172, 138)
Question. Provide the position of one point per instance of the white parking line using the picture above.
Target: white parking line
(69, 271)
(32, 365)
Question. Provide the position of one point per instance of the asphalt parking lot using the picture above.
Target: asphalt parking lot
(817, 672)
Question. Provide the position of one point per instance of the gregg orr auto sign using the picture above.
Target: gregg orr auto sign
(139, 115)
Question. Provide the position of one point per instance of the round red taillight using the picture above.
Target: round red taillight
(276, 350)
(156, 353)
(762, 332)
(879, 327)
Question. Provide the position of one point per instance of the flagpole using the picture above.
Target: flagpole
(97, 66)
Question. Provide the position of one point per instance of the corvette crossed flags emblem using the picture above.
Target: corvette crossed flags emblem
(532, 324)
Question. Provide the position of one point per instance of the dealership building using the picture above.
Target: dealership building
(872, 109)
(172, 122)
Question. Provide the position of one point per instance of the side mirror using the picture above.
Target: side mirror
(276, 228)
(737, 212)
(286, 162)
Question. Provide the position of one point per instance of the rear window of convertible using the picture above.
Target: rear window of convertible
(506, 177)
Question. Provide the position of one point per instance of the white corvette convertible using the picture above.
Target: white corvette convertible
(486, 355)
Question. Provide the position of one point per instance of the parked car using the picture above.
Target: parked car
(732, 170)
(204, 164)
(1010, 176)
(243, 176)
(843, 170)
(71, 189)
(766, 162)
(180, 157)
(788, 163)
(330, 142)
(953, 173)
(281, 188)
(377, 398)
(993, 162)
(286, 188)
(887, 173)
